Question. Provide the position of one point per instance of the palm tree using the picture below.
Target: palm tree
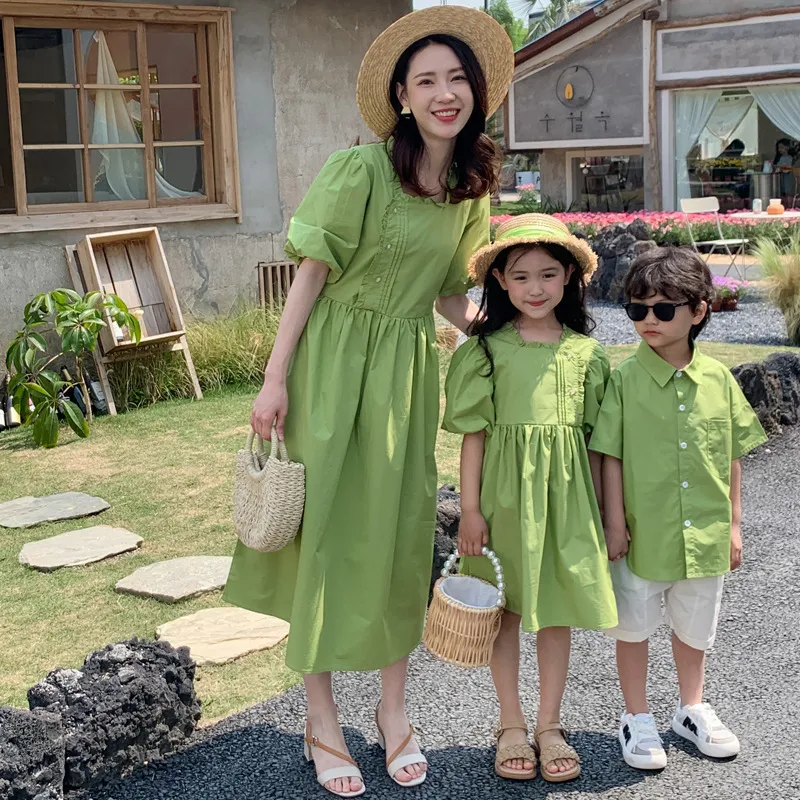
(554, 14)
(516, 28)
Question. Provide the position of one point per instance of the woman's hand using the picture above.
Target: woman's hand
(473, 533)
(271, 405)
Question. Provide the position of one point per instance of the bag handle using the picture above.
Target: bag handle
(498, 571)
(277, 446)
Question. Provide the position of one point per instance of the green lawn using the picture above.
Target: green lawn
(167, 473)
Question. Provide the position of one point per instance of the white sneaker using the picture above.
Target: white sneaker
(640, 742)
(700, 724)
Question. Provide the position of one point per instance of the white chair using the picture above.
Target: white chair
(732, 247)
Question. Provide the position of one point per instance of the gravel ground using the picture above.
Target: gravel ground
(753, 681)
(754, 322)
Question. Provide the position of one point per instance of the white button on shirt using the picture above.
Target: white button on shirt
(685, 484)
(684, 445)
(681, 407)
(679, 373)
(688, 523)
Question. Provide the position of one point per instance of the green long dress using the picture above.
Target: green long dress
(537, 494)
(363, 411)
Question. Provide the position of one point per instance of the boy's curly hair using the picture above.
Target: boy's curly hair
(674, 272)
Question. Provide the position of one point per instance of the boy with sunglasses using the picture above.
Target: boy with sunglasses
(672, 427)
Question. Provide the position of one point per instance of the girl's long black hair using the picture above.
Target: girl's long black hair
(497, 310)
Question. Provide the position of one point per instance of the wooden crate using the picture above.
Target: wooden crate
(132, 265)
(274, 280)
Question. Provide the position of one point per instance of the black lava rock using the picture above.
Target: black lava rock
(131, 703)
(31, 755)
(617, 247)
(448, 515)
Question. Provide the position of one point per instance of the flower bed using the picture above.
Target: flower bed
(727, 293)
(670, 227)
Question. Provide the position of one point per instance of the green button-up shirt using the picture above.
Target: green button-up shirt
(676, 432)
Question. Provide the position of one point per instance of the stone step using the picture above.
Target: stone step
(25, 512)
(177, 579)
(220, 635)
(76, 548)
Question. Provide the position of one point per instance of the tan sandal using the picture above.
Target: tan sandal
(512, 751)
(552, 752)
(351, 771)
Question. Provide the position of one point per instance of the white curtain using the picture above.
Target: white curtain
(692, 113)
(727, 116)
(781, 104)
(123, 169)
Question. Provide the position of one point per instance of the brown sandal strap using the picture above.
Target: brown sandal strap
(314, 742)
(519, 725)
(551, 726)
(402, 746)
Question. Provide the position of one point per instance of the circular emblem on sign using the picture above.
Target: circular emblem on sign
(575, 86)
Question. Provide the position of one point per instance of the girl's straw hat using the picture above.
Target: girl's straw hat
(485, 37)
(532, 229)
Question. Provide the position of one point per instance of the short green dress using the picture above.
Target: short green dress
(537, 494)
(363, 412)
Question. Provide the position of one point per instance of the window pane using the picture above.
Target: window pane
(45, 55)
(608, 183)
(54, 176)
(181, 169)
(176, 115)
(172, 57)
(50, 116)
(118, 174)
(114, 116)
(110, 57)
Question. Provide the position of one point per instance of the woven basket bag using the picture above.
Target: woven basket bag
(268, 497)
(464, 615)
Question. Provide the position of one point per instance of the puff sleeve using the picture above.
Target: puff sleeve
(475, 236)
(598, 371)
(468, 391)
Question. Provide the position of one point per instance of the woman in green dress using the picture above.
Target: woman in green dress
(525, 394)
(385, 231)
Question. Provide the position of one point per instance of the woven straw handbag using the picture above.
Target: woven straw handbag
(269, 493)
(464, 615)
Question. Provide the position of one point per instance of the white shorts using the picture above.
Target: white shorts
(691, 605)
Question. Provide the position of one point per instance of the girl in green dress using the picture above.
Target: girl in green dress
(525, 392)
(385, 231)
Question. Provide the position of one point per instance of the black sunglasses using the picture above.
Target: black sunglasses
(663, 311)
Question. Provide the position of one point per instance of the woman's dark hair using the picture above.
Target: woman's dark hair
(674, 272)
(497, 310)
(476, 159)
(787, 144)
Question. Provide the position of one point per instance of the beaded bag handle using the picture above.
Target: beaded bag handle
(498, 571)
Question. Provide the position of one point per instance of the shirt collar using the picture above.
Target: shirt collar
(662, 371)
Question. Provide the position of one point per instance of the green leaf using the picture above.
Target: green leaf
(35, 389)
(16, 380)
(29, 358)
(45, 428)
(75, 418)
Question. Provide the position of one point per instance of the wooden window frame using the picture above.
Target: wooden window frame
(214, 43)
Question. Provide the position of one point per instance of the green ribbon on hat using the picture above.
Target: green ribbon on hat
(533, 232)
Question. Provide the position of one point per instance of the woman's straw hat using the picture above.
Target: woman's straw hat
(532, 229)
(485, 37)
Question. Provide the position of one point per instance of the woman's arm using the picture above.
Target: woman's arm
(473, 533)
(273, 402)
(458, 310)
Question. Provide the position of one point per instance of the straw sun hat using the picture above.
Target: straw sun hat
(532, 229)
(485, 37)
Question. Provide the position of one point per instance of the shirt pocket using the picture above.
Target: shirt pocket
(718, 444)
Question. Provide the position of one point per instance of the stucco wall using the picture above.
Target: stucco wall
(552, 165)
(617, 92)
(295, 68)
(690, 9)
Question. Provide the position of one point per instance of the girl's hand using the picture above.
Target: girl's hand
(736, 547)
(617, 541)
(473, 533)
(271, 404)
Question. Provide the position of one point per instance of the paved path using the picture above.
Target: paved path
(754, 682)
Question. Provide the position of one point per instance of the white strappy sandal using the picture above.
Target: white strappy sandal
(396, 762)
(332, 774)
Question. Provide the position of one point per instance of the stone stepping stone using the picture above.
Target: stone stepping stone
(25, 512)
(177, 579)
(220, 635)
(76, 548)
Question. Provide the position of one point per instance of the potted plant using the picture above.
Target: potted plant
(727, 293)
(40, 395)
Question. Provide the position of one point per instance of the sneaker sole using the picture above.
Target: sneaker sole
(642, 762)
(706, 748)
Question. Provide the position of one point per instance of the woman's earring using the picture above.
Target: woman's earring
(406, 112)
